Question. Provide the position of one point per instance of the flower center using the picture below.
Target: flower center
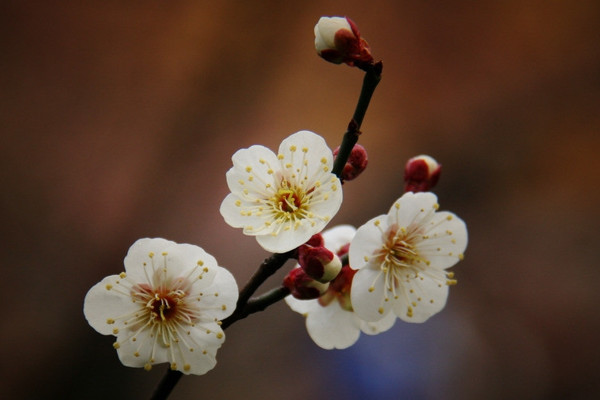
(163, 306)
(399, 250)
(290, 201)
(399, 258)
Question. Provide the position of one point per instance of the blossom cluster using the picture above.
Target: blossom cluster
(169, 303)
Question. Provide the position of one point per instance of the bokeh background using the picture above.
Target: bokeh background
(118, 121)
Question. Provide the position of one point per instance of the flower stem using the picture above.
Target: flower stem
(266, 269)
(370, 82)
(259, 303)
(166, 385)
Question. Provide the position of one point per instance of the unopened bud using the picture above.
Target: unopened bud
(339, 289)
(319, 263)
(356, 164)
(302, 286)
(421, 174)
(338, 40)
(315, 240)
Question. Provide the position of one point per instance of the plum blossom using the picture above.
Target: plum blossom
(283, 199)
(402, 259)
(166, 306)
(330, 320)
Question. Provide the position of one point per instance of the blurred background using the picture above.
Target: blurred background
(118, 121)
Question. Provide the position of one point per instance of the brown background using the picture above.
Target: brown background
(118, 121)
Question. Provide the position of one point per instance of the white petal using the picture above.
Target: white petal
(289, 239)
(139, 264)
(302, 306)
(367, 241)
(412, 208)
(235, 213)
(306, 146)
(105, 302)
(139, 352)
(253, 169)
(368, 295)
(373, 328)
(446, 240)
(206, 340)
(338, 236)
(184, 259)
(332, 327)
(428, 297)
(327, 198)
(257, 157)
(218, 299)
(192, 353)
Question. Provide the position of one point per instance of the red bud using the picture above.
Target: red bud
(421, 174)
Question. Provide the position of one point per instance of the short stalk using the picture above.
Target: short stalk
(370, 82)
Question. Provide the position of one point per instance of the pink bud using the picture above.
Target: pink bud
(338, 40)
(421, 174)
(302, 286)
(356, 164)
(319, 263)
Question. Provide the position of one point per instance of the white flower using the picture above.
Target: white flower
(283, 199)
(402, 259)
(330, 321)
(165, 307)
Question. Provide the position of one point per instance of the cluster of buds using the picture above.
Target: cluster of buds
(318, 266)
(302, 286)
(338, 40)
(356, 164)
(421, 174)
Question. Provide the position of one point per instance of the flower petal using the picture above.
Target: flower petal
(286, 239)
(306, 153)
(105, 302)
(412, 208)
(218, 297)
(423, 297)
(446, 240)
(236, 214)
(302, 306)
(332, 327)
(373, 328)
(338, 236)
(367, 295)
(144, 257)
(367, 241)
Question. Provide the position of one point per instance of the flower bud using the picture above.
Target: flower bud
(339, 289)
(338, 40)
(421, 174)
(315, 240)
(356, 164)
(319, 263)
(302, 286)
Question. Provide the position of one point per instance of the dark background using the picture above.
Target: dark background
(118, 121)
